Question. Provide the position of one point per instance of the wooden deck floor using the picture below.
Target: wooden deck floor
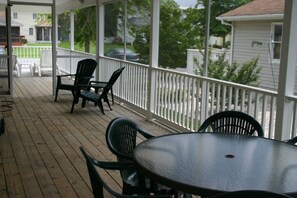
(39, 152)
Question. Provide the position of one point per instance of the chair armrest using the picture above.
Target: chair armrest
(66, 75)
(114, 165)
(86, 77)
(145, 134)
(93, 81)
(291, 141)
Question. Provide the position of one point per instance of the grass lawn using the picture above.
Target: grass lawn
(22, 54)
(107, 46)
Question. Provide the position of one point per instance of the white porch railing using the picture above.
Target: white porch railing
(181, 100)
(28, 55)
(184, 101)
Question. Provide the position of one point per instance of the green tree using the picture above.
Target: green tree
(85, 27)
(64, 25)
(218, 8)
(179, 31)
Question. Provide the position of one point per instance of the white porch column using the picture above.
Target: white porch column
(54, 45)
(154, 56)
(71, 30)
(99, 35)
(287, 71)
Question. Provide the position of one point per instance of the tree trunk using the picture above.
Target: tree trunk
(87, 44)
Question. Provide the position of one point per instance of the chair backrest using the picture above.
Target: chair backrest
(251, 194)
(115, 75)
(98, 184)
(232, 122)
(46, 58)
(292, 140)
(84, 71)
(121, 134)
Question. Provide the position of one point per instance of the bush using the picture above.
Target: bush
(246, 74)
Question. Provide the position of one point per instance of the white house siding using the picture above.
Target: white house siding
(25, 17)
(244, 33)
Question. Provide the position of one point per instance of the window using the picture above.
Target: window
(15, 15)
(34, 16)
(276, 40)
(30, 31)
(43, 33)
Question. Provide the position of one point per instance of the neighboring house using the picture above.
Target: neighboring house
(15, 31)
(25, 25)
(257, 32)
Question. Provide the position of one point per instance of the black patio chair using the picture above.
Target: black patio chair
(292, 140)
(101, 84)
(97, 182)
(232, 122)
(121, 136)
(84, 73)
(250, 194)
(85, 92)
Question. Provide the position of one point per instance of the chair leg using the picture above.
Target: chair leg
(56, 96)
(111, 92)
(73, 103)
(107, 101)
(83, 104)
(99, 103)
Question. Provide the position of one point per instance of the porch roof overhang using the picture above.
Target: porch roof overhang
(252, 17)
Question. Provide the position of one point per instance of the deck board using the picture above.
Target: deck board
(39, 153)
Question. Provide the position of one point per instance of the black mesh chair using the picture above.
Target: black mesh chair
(85, 92)
(84, 73)
(292, 140)
(99, 185)
(232, 122)
(121, 138)
(250, 194)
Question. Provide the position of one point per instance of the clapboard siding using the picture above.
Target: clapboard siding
(244, 33)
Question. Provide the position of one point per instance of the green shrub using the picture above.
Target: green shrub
(246, 74)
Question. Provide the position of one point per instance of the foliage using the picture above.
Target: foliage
(64, 25)
(247, 73)
(218, 8)
(85, 19)
(178, 32)
(44, 18)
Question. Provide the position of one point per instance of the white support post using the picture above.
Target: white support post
(204, 100)
(54, 45)
(99, 36)
(287, 71)
(154, 55)
(72, 30)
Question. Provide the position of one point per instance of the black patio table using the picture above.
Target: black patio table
(210, 163)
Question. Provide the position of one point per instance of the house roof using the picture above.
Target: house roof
(256, 9)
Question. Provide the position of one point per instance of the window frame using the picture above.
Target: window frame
(31, 31)
(15, 15)
(273, 42)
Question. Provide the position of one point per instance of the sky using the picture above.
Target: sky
(186, 3)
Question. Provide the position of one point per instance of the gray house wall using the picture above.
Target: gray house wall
(245, 32)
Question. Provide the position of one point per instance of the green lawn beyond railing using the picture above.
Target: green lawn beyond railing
(33, 50)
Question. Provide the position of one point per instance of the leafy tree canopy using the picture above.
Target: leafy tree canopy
(179, 31)
(218, 8)
(85, 19)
